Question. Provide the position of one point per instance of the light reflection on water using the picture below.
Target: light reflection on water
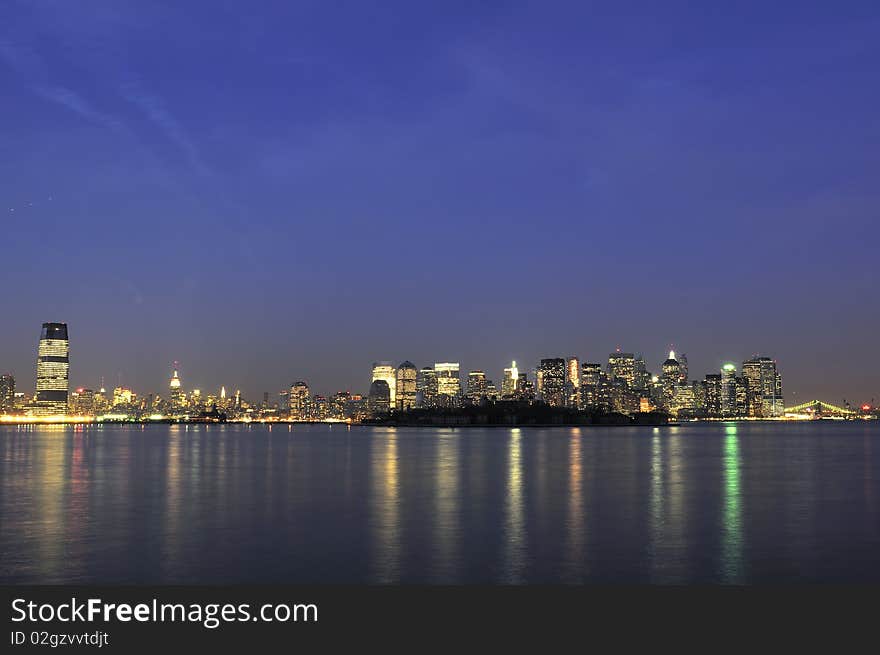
(719, 503)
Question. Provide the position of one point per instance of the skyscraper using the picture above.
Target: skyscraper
(728, 390)
(669, 379)
(508, 381)
(406, 386)
(174, 389)
(386, 371)
(764, 388)
(7, 393)
(476, 387)
(713, 394)
(299, 400)
(53, 370)
(572, 381)
(622, 366)
(426, 387)
(595, 393)
(641, 377)
(379, 401)
(552, 376)
(448, 382)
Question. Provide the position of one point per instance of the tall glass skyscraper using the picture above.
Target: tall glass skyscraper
(53, 370)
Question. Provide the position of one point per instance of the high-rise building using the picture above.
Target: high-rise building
(765, 388)
(728, 390)
(641, 376)
(7, 393)
(572, 381)
(386, 371)
(622, 366)
(713, 394)
(476, 387)
(426, 387)
(595, 393)
(683, 366)
(508, 381)
(379, 401)
(407, 375)
(82, 402)
(299, 400)
(552, 376)
(339, 403)
(123, 397)
(669, 379)
(448, 383)
(175, 390)
(53, 370)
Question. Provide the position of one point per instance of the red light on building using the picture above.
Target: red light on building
(866, 408)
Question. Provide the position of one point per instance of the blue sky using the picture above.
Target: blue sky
(294, 190)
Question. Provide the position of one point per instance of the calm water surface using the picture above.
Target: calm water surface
(716, 503)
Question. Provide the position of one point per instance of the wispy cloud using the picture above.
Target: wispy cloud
(28, 65)
(154, 108)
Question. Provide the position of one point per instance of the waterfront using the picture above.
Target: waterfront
(703, 503)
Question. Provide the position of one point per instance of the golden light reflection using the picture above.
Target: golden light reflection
(385, 509)
(447, 531)
(514, 556)
(574, 552)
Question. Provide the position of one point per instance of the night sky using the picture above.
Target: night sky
(297, 191)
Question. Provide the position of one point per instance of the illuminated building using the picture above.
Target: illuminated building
(491, 390)
(7, 394)
(552, 388)
(102, 402)
(699, 391)
(122, 396)
(622, 398)
(525, 390)
(728, 390)
(669, 379)
(641, 376)
(683, 400)
(299, 401)
(622, 366)
(82, 402)
(320, 409)
(53, 370)
(508, 381)
(426, 387)
(386, 371)
(476, 387)
(175, 391)
(448, 383)
(765, 388)
(742, 396)
(595, 392)
(683, 366)
(339, 404)
(379, 401)
(713, 394)
(407, 375)
(572, 381)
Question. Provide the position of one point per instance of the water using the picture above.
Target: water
(713, 503)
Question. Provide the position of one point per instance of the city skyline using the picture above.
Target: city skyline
(445, 183)
(625, 385)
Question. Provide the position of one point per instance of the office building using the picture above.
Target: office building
(7, 394)
(448, 383)
(53, 370)
(552, 381)
(386, 371)
(405, 386)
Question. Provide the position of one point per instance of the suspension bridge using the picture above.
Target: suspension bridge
(820, 408)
